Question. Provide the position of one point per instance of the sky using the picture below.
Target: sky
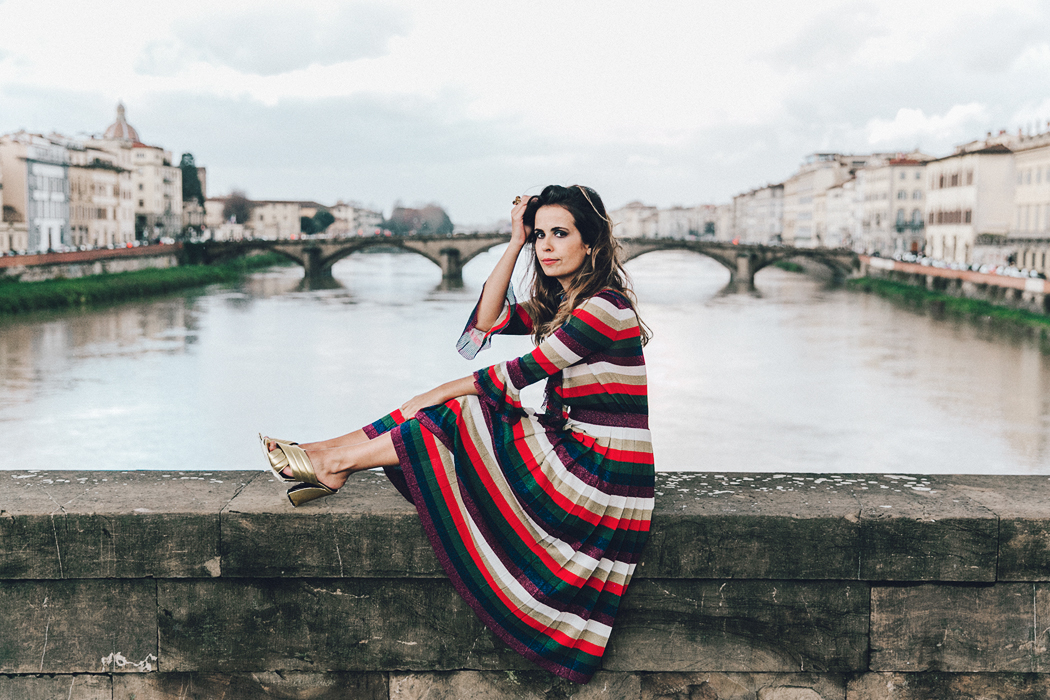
(467, 103)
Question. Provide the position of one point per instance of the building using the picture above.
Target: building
(969, 200)
(36, 189)
(1030, 227)
(635, 220)
(156, 183)
(758, 215)
(893, 194)
(280, 219)
(354, 220)
(842, 222)
(679, 222)
(101, 212)
(805, 222)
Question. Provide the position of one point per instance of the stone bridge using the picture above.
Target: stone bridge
(743, 261)
(451, 253)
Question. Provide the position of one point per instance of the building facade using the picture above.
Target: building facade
(969, 199)
(894, 205)
(635, 220)
(35, 174)
(758, 215)
(156, 183)
(354, 220)
(100, 207)
(1030, 230)
(805, 204)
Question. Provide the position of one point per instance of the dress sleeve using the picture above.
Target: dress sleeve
(512, 320)
(595, 325)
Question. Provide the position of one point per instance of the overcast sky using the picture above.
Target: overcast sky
(468, 103)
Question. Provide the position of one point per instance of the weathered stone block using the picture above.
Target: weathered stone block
(960, 628)
(743, 686)
(741, 626)
(323, 624)
(758, 526)
(951, 686)
(519, 685)
(86, 626)
(919, 531)
(1024, 520)
(112, 524)
(366, 530)
(72, 687)
(249, 686)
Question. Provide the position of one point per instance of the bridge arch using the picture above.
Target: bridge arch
(743, 261)
(317, 255)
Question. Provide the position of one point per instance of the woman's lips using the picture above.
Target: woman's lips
(549, 261)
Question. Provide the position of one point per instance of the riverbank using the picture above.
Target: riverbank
(939, 302)
(18, 298)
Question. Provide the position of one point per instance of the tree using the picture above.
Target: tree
(307, 225)
(322, 220)
(191, 182)
(238, 208)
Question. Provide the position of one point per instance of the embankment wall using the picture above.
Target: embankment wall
(35, 268)
(1020, 293)
(164, 585)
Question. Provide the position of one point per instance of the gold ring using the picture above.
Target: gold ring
(517, 200)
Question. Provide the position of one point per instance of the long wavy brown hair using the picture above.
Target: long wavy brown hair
(550, 304)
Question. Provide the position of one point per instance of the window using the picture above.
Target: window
(969, 177)
(1028, 177)
(903, 174)
(902, 194)
(955, 179)
(900, 216)
(1020, 178)
(967, 216)
(917, 194)
(916, 216)
(942, 182)
(931, 218)
(142, 203)
(918, 174)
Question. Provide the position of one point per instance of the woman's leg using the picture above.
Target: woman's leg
(333, 465)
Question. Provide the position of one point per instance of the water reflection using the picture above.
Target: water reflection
(795, 375)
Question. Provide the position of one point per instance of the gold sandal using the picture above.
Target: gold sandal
(276, 457)
(294, 458)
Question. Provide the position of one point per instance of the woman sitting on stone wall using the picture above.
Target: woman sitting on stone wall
(538, 518)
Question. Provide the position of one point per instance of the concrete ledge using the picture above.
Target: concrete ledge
(759, 586)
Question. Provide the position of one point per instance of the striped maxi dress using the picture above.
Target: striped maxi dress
(539, 518)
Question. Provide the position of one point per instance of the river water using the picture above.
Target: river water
(798, 377)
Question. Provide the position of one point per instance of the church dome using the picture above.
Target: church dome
(120, 129)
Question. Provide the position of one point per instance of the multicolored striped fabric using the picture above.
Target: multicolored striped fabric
(539, 519)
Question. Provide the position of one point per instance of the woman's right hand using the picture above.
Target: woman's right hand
(519, 232)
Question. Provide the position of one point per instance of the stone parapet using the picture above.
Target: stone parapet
(758, 586)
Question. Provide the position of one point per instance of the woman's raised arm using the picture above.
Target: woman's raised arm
(495, 292)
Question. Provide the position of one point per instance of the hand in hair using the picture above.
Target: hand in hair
(519, 231)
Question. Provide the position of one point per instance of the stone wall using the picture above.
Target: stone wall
(164, 585)
(1019, 293)
(46, 266)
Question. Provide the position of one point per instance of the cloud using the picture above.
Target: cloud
(959, 123)
(276, 40)
(833, 38)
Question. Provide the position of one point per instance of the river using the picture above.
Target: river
(798, 377)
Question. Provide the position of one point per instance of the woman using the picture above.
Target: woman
(538, 518)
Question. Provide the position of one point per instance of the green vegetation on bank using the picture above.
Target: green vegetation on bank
(922, 298)
(25, 297)
(789, 266)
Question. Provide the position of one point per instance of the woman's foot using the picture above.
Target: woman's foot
(323, 464)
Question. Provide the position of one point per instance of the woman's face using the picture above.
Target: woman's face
(560, 249)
